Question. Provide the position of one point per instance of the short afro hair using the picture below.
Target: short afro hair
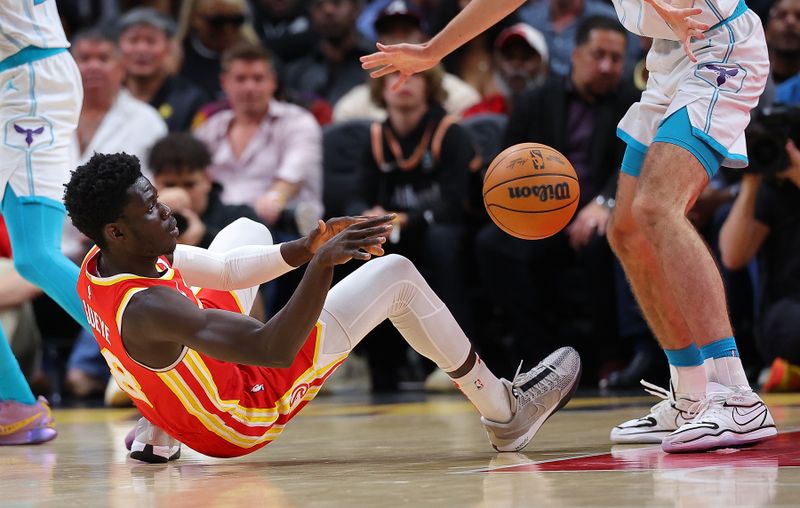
(97, 192)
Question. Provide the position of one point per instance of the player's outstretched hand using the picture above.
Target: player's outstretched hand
(682, 23)
(407, 59)
(361, 239)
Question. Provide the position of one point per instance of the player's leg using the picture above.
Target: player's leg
(391, 287)
(36, 148)
(693, 277)
(655, 298)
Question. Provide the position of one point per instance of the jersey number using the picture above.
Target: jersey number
(124, 379)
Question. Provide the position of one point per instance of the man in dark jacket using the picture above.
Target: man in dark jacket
(576, 115)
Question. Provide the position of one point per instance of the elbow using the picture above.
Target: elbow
(731, 259)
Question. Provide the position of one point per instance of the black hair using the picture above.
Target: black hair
(179, 151)
(98, 190)
(101, 32)
(597, 23)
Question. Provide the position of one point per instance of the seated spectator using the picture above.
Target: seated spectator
(559, 20)
(284, 27)
(207, 28)
(179, 163)
(267, 154)
(417, 165)
(398, 23)
(765, 221)
(111, 120)
(333, 67)
(577, 115)
(145, 42)
(472, 62)
(519, 62)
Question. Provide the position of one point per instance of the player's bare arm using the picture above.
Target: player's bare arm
(159, 321)
(681, 22)
(408, 59)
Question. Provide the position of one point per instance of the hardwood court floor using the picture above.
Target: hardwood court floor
(433, 453)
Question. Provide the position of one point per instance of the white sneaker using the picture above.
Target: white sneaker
(153, 445)
(727, 417)
(664, 418)
(534, 397)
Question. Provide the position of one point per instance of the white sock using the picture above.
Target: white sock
(730, 372)
(688, 382)
(486, 392)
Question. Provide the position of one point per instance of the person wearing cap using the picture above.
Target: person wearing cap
(400, 21)
(520, 63)
(145, 43)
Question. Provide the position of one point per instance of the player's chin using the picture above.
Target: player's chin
(169, 245)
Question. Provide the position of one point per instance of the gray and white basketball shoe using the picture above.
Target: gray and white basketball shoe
(534, 397)
(665, 417)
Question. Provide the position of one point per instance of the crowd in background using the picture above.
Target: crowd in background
(261, 109)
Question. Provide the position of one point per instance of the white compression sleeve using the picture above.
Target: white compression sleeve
(237, 268)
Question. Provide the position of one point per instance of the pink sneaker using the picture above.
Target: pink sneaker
(24, 424)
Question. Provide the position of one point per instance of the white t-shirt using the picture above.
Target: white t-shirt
(26, 23)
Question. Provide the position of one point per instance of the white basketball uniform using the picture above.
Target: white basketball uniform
(718, 91)
(40, 99)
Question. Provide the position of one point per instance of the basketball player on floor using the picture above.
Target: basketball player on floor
(708, 67)
(205, 374)
(40, 101)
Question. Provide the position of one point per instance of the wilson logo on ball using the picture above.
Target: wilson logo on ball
(544, 193)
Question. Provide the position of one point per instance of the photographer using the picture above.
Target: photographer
(765, 220)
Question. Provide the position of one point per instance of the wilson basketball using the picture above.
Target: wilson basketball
(531, 191)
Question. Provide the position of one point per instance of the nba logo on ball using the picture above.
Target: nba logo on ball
(531, 191)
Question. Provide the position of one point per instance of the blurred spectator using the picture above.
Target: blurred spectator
(111, 121)
(144, 41)
(284, 27)
(520, 64)
(417, 165)
(170, 8)
(206, 29)
(398, 23)
(765, 220)
(558, 20)
(266, 153)
(577, 115)
(472, 62)
(783, 39)
(179, 163)
(78, 15)
(333, 67)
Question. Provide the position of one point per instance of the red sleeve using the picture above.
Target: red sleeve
(5, 242)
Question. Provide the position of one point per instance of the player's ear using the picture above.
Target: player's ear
(112, 233)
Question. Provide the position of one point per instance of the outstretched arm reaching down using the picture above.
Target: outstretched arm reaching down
(408, 59)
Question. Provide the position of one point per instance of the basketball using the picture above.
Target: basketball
(531, 191)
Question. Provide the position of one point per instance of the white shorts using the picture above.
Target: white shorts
(40, 103)
(718, 91)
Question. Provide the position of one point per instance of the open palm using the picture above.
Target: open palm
(406, 59)
(682, 23)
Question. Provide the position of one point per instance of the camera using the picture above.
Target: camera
(767, 135)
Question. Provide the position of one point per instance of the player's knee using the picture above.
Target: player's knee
(648, 212)
(399, 266)
(256, 232)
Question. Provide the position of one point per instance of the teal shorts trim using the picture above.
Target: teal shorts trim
(677, 130)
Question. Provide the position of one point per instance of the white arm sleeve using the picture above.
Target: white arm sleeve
(237, 268)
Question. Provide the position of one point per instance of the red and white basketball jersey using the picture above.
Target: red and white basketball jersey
(218, 408)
